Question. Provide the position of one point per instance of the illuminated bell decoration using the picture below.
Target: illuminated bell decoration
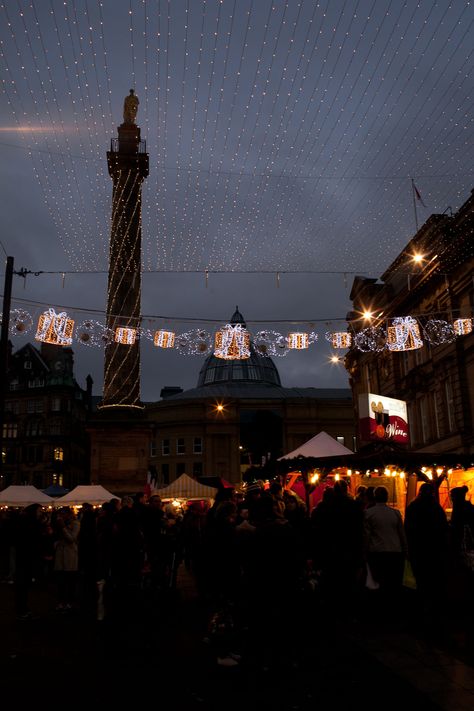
(55, 328)
(126, 336)
(298, 341)
(164, 339)
(404, 334)
(232, 342)
(462, 326)
(339, 339)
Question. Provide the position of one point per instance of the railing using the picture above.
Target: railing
(115, 146)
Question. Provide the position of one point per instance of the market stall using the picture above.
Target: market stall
(93, 494)
(22, 496)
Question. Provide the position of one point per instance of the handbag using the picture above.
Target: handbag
(370, 582)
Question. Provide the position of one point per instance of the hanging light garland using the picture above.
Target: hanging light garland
(404, 334)
(20, 322)
(232, 342)
(270, 343)
(462, 326)
(373, 338)
(339, 339)
(195, 342)
(438, 331)
(126, 336)
(55, 328)
(164, 339)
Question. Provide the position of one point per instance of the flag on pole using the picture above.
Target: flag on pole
(417, 195)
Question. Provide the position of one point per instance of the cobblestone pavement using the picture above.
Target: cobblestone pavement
(158, 650)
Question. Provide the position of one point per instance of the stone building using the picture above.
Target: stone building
(432, 280)
(44, 431)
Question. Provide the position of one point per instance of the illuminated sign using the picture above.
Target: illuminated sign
(383, 418)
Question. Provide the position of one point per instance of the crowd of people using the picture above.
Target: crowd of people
(253, 557)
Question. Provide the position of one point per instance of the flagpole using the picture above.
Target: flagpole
(414, 202)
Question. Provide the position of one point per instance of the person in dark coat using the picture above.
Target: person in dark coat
(426, 528)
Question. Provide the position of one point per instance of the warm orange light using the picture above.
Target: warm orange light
(417, 258)
(335, 359)
(367, 315)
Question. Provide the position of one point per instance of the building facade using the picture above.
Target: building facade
(44, 433)
(432, 280)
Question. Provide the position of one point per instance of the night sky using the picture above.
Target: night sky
(283, 138)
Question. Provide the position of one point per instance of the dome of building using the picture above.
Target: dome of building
(256, 369)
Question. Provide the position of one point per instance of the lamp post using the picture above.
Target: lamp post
(7, 297)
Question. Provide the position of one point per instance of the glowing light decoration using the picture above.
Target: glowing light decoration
(298, 341)
(438, 331)
(404, 334)
(195, 342)
(164, 339)
(126, 336)
(232, 342)
(20, 322)
(462, 326)
(339, 339)
(373, 338)
(271, 343)
(55, 328)
(92, 333)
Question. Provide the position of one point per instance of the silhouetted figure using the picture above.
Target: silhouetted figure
(427, 532)
(66, 557)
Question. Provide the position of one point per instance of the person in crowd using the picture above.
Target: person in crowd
(276, 491)
(87, 544)
(129, 552)
(275, 572)
(427, 534)
(154, 541)
(386, 547)
(66, 557)
(461, 574)
(27, 542)
(337, 532)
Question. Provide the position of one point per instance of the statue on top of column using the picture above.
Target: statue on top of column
(130, 108)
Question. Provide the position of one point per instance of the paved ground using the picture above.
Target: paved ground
(158, 651)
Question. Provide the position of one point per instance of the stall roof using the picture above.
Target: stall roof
(186, 488)
(321, 445)
(23, 496)
(86, 494)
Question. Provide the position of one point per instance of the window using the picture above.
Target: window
(33, 428)
(34, 454)
(10, 430)
(58, 454)
(36, 383)
(180, 468)
(56, 404)
(354, 443)
(12, 406)
(14, 384)
(165, 473)
(341, 439)
(153, 448)
(27, 365)
(425, 425)
(180, 446)
(197, 445)
(33, 406)
(55, 427)
(165, 447)
(197, 469)
(449, 398)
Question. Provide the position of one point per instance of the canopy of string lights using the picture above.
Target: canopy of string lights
(282, 135)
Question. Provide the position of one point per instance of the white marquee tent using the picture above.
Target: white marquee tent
(86, 494)
(321, 445)
(24, 496)
(186, 488)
